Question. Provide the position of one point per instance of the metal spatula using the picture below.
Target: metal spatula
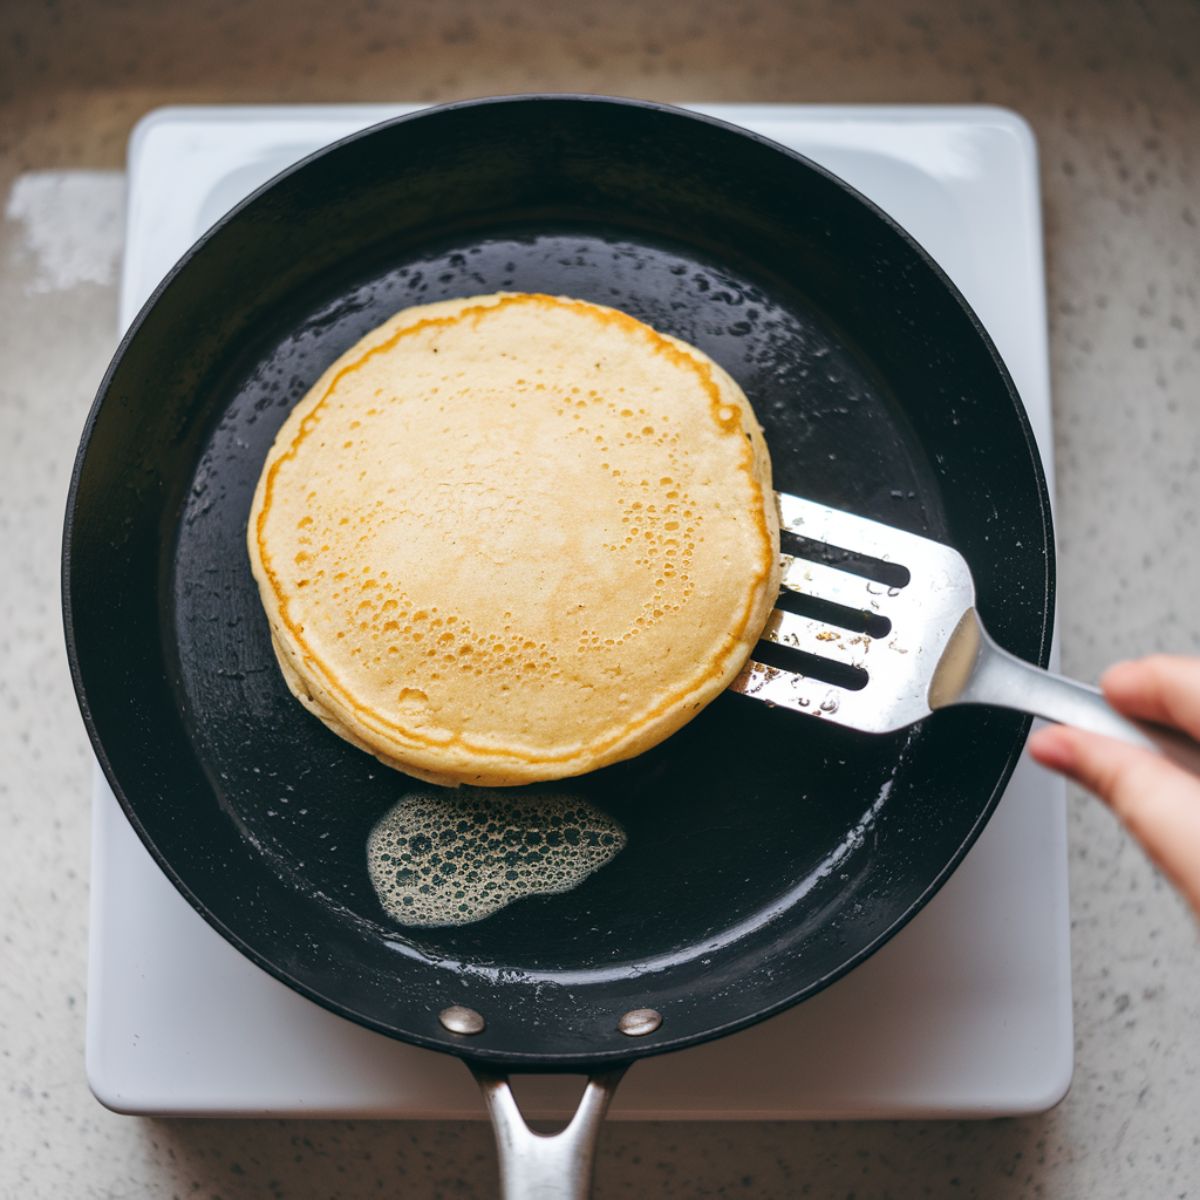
(888, 631)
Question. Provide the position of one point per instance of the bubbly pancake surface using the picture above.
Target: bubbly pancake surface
(513, 538)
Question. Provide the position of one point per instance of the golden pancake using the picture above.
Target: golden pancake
(514, 538)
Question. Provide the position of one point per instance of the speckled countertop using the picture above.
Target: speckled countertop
(1113, 93)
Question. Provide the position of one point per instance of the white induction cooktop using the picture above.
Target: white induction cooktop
(967, 1012)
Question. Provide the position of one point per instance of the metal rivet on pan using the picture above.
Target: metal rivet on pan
(639, 1021)
(460, 1019)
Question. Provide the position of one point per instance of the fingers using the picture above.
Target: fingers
(1162, 688)
(1157, 801)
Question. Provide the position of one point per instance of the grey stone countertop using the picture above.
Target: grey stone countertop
(1113, 93)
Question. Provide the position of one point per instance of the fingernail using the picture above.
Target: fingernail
(1052, 750)
(1116, 667)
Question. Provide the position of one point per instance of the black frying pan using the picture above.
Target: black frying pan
(748, 882)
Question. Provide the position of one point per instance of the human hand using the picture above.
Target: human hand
(1158, 802)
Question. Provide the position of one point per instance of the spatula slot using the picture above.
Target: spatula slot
(889, 574)
(857, 620)
(812, 666)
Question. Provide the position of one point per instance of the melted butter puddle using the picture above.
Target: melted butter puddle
(453, 857)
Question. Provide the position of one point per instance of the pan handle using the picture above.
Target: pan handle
(540, 1166)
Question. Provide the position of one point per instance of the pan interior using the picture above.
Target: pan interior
(767, 852)
(743, 813)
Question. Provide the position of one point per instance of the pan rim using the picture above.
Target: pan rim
(569, 1062)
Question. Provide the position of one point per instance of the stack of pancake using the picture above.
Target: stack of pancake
(513, 538)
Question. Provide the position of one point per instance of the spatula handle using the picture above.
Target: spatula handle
(1003, 679)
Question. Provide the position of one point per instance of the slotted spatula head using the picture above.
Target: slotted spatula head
(863, 621)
